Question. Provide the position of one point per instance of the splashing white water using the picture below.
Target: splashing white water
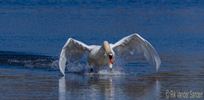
(73, 67)
(108, 72)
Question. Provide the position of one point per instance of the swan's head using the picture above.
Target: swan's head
(109, 53)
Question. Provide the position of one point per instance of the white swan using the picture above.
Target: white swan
(105, 54)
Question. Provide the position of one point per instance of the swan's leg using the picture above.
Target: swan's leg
(91, 70)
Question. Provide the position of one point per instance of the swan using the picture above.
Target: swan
(105, 54)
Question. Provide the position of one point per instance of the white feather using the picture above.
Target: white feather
(71, 47)
(135, 42)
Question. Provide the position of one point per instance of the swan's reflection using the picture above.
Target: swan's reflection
(62, 89)
(111, 89)
(108, 87)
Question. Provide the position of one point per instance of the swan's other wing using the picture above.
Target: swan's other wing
(136, 44)
(73, 50)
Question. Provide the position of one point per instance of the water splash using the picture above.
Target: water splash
(108, 72)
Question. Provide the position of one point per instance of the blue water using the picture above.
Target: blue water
(32, 34)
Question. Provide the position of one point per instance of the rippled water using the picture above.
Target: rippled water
(32, 34)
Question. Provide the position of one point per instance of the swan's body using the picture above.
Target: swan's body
(105, 54)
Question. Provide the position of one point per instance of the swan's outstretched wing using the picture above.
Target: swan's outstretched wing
(73, 50)
(133, 44)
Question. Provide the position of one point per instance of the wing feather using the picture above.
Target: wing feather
(72, 51)
(136, 44)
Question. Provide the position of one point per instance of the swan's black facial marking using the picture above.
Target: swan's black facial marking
(110, 56)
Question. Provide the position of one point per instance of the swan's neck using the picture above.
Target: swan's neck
(106, 47)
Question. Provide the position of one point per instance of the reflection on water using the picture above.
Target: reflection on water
(108, 87)
(62, 89)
